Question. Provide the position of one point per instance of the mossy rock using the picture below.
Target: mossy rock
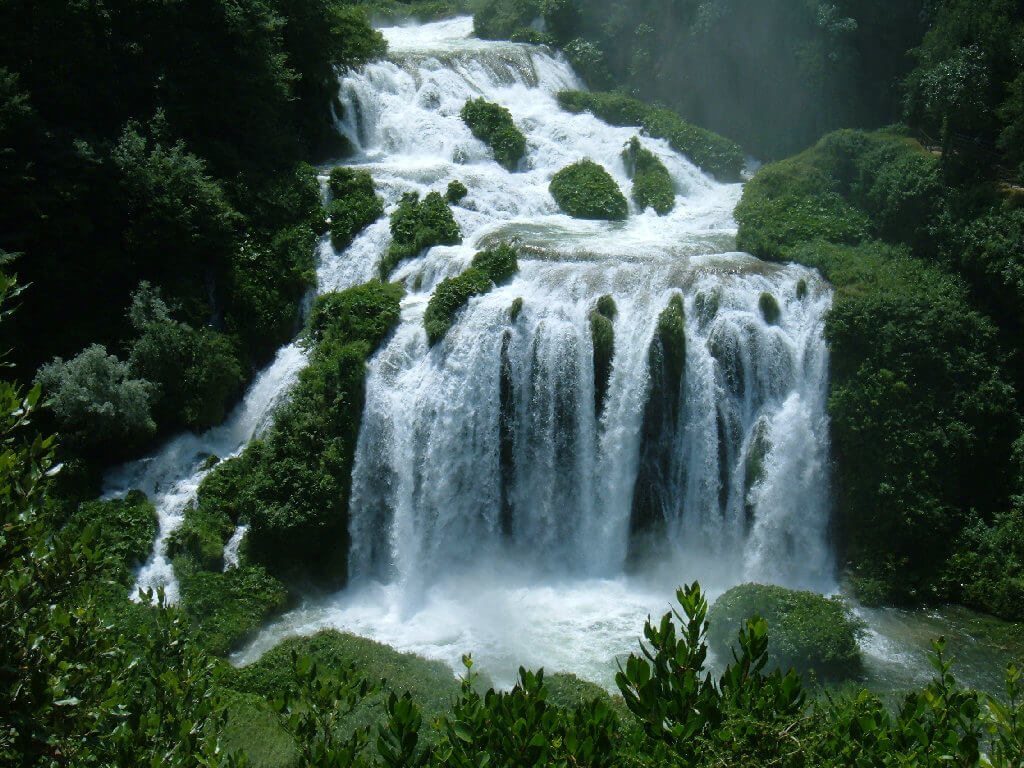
(602, 333)
(801, 289)
(754, 467)
(418, 225)
(671, 336)
(202, 535)
(354, 205)
(493, 125)
(652, 184)
(806, 631)
(585, 190)
(516, 309)
(607, 308)
(487, 269)
(456, 192)
(770, 309)
(706, 305)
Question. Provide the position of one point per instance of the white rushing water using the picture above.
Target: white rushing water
(494, 508)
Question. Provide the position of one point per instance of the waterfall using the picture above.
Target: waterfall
(499, 503)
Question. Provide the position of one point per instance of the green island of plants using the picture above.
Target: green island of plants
(488, 268)
(417, 225)
(493, 125)
(602, 335)
(808, 632)
(585, 190)
(354, 205)
(652, 184)
(714, 154)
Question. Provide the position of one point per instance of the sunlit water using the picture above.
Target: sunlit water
(531, 561)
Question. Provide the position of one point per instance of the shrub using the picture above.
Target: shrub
(456, 192)
(612, 108)
(416, 226)
(96, 402)
(354, 205)
(202, 536)
(227, 607)
(499, 19)
(487, 269)
(492, 124)
(585, 190)
(122, 530)
(987, 567)
(807, 631)
(652, 184)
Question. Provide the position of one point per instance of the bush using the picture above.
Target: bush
(122, 530)
(492, 124)
(416, 226)
(585, 190)
(97, 404)
(499, 19)
(987, 567)
(456, 192)
(612, 108)
(488, 268)
(354, 205)
(652, 184)
(202, 536)
(807, 631)
(227, 607)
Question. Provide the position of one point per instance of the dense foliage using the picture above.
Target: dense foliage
(488, 268)
(493, 125)
(716, 155)
(923, 410)
(652, 184)
(417, 225)
(585, 190)
(807, 631)
(354, 205)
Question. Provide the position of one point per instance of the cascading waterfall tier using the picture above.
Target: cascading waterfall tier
(489, 444)
(499, 503)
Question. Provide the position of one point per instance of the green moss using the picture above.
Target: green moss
(602, 333)
(122, 530)
(606, 307)
(753, 469)
(493, 125)
(671, 336)
(516, 309)
(202, 535)
(652, 184)
(354, 205)
(585, 190)
(801, 289)
(770, 310)
(418, 225)
(227, 607)
(706, 305)
(806, 630)
(431, 683)
(456, 192)
(488, 268)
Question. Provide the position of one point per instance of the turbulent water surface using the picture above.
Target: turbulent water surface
(495, 508)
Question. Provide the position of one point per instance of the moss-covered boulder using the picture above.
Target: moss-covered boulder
(602, 333)
(585, 190)
(488, 268)
(807, 631)
(417, 225)
(456, 192)
(706, 305)
(202, 536)
(493, 125)
(770, 309)
(516, 309)
(652, 184)
(354, 205)
(666, 360)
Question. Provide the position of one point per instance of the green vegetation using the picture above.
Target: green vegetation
(418, 225)
(714, 154)
(202, 536)
(516, 309)
(652, 185)
(492, 124)
(122, 530)
(808, 632)
(488, 268)
(923, 410)
(602, 333)
(293, 484)
(456, 192)
(585, 190)
(354, 205)
(770, 310)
